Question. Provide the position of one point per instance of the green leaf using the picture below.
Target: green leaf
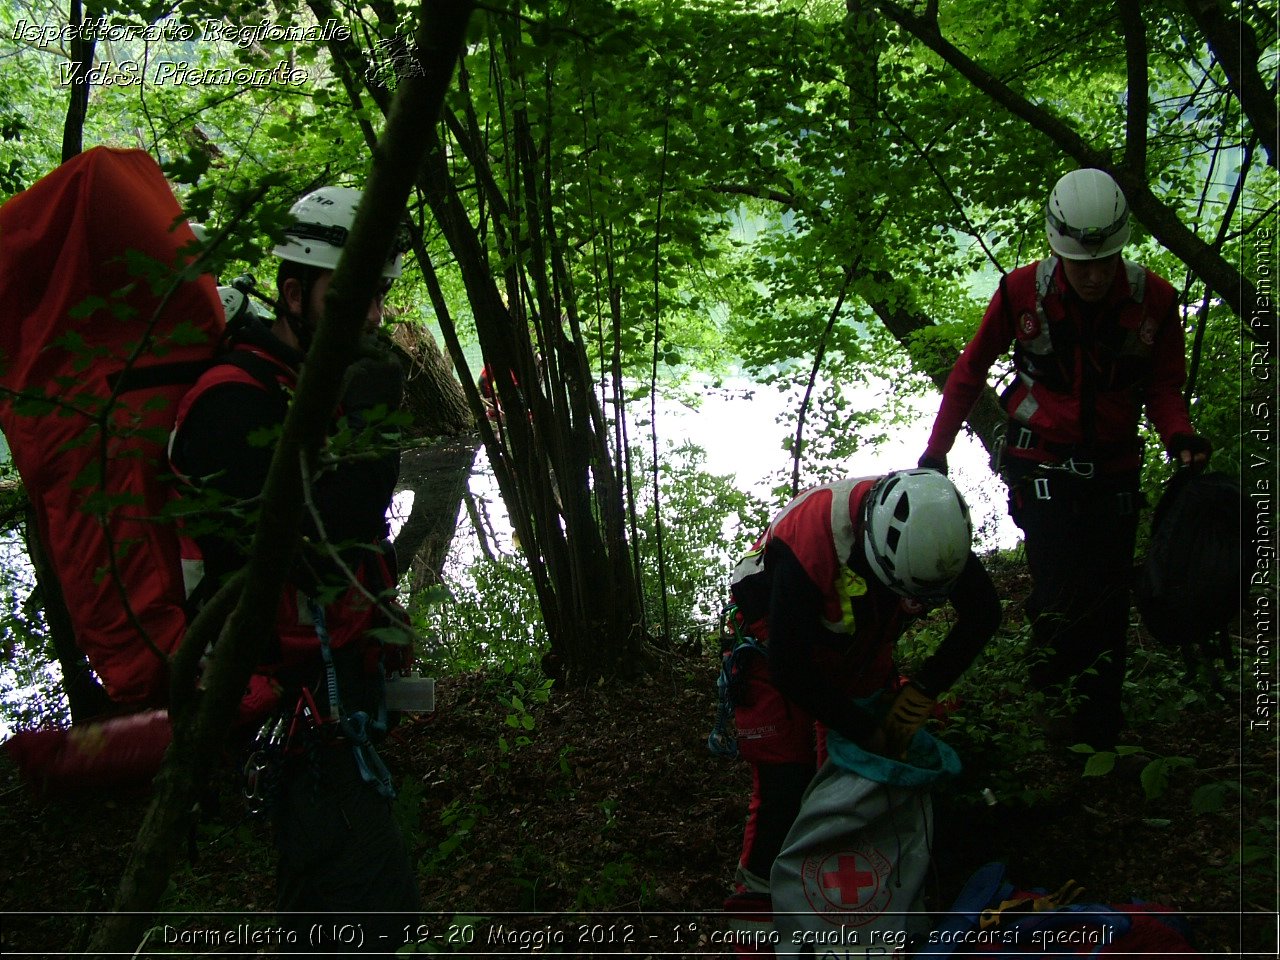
(1100, 764)
(1212, 797)
(263, 436)
(187, 334)
(1155, 778)
(1249, 855)
(84, 308)
(189, 168)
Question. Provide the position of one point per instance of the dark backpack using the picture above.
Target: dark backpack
(1193, 579)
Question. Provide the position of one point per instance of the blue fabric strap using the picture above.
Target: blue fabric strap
(357, 726)
(721, 741)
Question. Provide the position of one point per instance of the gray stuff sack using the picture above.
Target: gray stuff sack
(852, 868)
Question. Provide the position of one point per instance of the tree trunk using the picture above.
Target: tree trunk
(436, 474)
(549, 452)
(85, 696)
(432, 394)
(987, 419)
(1235, 46)
(78, 101)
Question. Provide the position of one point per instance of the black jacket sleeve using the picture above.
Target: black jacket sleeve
(977, 618)
(795, 626)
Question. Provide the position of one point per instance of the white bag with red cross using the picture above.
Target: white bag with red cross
(848, 880)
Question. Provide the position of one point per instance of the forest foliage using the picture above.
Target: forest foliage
(816, 194)
(626, 201)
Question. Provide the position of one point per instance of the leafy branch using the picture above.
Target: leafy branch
(1163, 222)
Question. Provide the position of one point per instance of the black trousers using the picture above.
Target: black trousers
(345, 881)
(1079, 536)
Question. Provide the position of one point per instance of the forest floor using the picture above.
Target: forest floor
(604, 826)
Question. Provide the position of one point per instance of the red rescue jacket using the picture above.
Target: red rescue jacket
(829, 625)
(858, 618)
(1083, 375)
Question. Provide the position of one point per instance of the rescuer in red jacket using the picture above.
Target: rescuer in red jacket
(341, 854)
(824, 594)
(1095, 339)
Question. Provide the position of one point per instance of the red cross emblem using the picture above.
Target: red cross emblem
(847, 880)
(849, 887)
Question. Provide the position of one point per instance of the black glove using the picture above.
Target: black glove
(375, 378)
(938, 464)
(1189, 450)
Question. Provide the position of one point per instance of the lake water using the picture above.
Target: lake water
(738, 427)
(745, 440)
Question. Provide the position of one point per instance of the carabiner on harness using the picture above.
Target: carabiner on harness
(1081, 468)
(263, 768)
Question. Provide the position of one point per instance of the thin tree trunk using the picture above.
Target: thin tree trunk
(78, 103)
(550, 457)
(85, 696)
(437, 476)
(437, 473)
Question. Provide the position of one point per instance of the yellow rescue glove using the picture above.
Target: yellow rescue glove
(907, 714)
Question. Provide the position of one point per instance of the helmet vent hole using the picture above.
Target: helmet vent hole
(902, 510)
(891, 540)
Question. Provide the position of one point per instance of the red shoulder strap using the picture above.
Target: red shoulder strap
(247, 365)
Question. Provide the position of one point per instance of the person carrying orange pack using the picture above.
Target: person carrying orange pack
(340, 851)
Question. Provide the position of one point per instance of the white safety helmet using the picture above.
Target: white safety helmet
(1087, 217)
(238, 306)
(321, 223)
(917, 533)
